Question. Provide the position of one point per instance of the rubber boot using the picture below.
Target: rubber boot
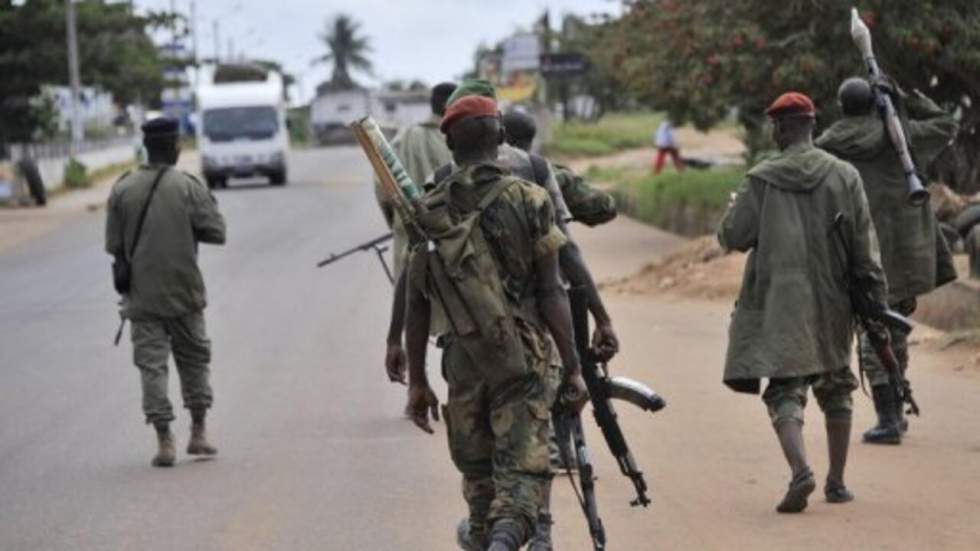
(888, 430)
(469, 540)
(838, 441)
(167, 448)
(790, 433)
(198, 444)
(507, 535)
(542, 534)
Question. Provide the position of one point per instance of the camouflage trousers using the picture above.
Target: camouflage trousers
(873, 369)
(498, 437)
(154, 340)
(786, 398)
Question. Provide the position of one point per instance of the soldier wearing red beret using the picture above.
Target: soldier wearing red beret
(792, 322)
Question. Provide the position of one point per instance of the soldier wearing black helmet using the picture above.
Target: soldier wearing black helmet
(914, 253)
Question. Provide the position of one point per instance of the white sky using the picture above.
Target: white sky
(429, 39)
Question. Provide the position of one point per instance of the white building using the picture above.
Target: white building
(97, 108)
(333, 110)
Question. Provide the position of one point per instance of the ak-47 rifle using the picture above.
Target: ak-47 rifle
(917, 194)
(376, 244)
(877, 321)
(602, 390)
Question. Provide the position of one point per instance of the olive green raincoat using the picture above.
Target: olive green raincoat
(793, 316)
(914, 253)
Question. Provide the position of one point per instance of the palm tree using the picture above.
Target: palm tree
(346, 50)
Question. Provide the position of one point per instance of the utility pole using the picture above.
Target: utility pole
(77, 131)
(217, 40)
(197, 60)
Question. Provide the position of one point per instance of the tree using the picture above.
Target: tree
(347, 49)
(115, 50)
(699, 60)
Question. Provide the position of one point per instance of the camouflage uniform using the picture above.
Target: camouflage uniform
(914, 253)
(167, 297)
(497, 414)
(793, 321)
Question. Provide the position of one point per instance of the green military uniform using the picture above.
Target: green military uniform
(793, 320)
(914, 253)
(498, 412)
(167, 297)
(421, 149)
(586, 204)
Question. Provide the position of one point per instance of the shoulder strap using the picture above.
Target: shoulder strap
(498, 188)
(146, 207)
(540, 168)
(442, 173)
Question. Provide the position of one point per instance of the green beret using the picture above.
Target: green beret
(473, 87)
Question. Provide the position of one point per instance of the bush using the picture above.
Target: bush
(76, 175)
(689, 203)
(612, 133)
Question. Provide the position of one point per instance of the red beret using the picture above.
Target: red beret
(467, 108)
(792, 103)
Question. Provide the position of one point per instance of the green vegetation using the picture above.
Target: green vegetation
(689, 203)
(76, 175)
(610, 134)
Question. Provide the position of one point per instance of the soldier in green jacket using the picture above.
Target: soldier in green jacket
(496, 235)
(914, 252)
(166, 298)
(793, 320)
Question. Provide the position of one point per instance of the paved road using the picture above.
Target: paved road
(314, 454)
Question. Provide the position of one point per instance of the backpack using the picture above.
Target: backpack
(465, 277)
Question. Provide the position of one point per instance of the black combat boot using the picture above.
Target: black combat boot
(198, 444)
(167, 449)
(790, 433)
(838, 441)
(469, 539)
(507, 535)
(888, 430)
(542, 534)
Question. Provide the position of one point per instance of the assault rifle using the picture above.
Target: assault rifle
(877, 321)
(917, 194)
(602, 390)
(377, 245)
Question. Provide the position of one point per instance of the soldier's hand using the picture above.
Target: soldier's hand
(396, 363)
(422, 402)
(888, 85)
(574, 393)
(605, 344)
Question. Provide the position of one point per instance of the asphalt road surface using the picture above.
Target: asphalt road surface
(314, 453)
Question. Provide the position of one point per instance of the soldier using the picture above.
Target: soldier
(914, 253)
(156, 217)
(793, 320)
(585, 203)
(421, 149)
(500, 388)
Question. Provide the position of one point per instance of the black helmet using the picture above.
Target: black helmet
(855, 96)
(520, 129)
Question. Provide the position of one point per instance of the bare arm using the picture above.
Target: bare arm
(422, 401)
(554, 308)
(395, 361)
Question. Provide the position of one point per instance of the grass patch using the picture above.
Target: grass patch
(689, 203)
(610, 134)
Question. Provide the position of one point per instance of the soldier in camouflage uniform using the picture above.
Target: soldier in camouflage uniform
(914, 252)
(793, 320)
(499, 400)
(166, 299)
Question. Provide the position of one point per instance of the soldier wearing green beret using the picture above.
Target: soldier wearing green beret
(156, 216)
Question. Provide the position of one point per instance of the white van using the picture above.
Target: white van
(242, 130)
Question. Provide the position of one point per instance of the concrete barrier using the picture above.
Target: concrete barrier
(53, 169)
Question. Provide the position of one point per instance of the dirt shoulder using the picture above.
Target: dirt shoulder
(711, 458)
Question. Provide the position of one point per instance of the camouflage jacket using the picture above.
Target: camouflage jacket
(166, 279)
(793, 316)
(914, 253)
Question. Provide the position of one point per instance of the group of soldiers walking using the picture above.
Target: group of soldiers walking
(814, 218)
